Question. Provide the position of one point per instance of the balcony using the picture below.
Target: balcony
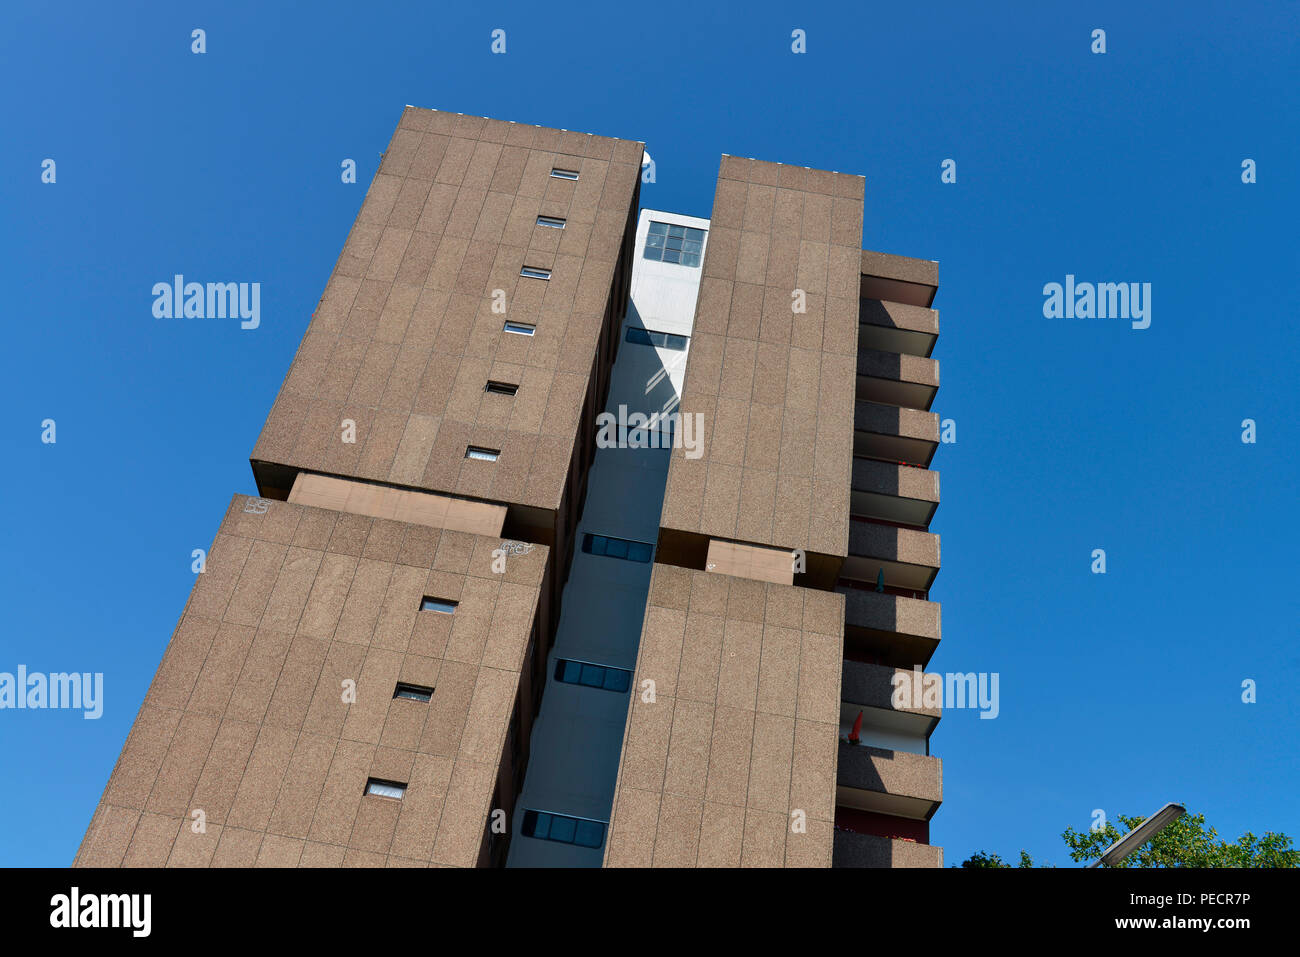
(867, 850)
(868, 700)
(872, 686)
(895, 327)
(909, 559)
(907, 436)
(893, 629)
(899, 278)
(894, 493)
(882, 781)
(894, 379)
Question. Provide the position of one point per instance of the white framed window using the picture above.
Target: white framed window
(674, 244)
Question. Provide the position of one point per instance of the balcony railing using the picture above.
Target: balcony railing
(897, 630)
(867, 850)
(894, 492)
(893, 434)
(889, 782)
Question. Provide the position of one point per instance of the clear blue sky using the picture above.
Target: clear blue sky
(1118, 692)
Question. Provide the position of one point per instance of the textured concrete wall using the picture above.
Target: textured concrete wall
(774, 386)
(245, 719)
(742, 731)
(405, 336)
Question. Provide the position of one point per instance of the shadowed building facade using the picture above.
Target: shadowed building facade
(454, 629)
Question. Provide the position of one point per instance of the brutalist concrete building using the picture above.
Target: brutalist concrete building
(586, 535)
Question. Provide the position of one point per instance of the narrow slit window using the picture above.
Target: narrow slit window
(377, 787)
(520, 328)
(555, 222)
(564, 829)
(592, 676)
(501, 388)
(412, 692)
(617, 548)
(564, 173)
(481, 454)
(444, 606)
(660, 340)
(535, 272)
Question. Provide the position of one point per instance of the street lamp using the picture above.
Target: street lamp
(1135, 838)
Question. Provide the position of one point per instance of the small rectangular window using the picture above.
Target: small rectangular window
(534, 272)
(564, 173)
(441, 605)
(501, 388)
(385, 789)
(482, 454)
(661, 340)
(520, 328)
(593, 676)
(564, 829)
(617, 548)
(412, 692)
(555, 222)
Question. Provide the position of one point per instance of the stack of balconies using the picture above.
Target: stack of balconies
(888, 785)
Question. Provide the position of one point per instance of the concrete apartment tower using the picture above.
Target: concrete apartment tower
(586, 536)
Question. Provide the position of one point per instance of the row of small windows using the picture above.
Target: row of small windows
(592, 676)
(617, 548)
(579, 831)
(674, 244)
(662, 340)
(379, 787)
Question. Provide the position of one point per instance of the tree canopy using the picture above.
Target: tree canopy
(1187, 842)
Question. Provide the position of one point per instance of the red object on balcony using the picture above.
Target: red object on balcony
(857, 727)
